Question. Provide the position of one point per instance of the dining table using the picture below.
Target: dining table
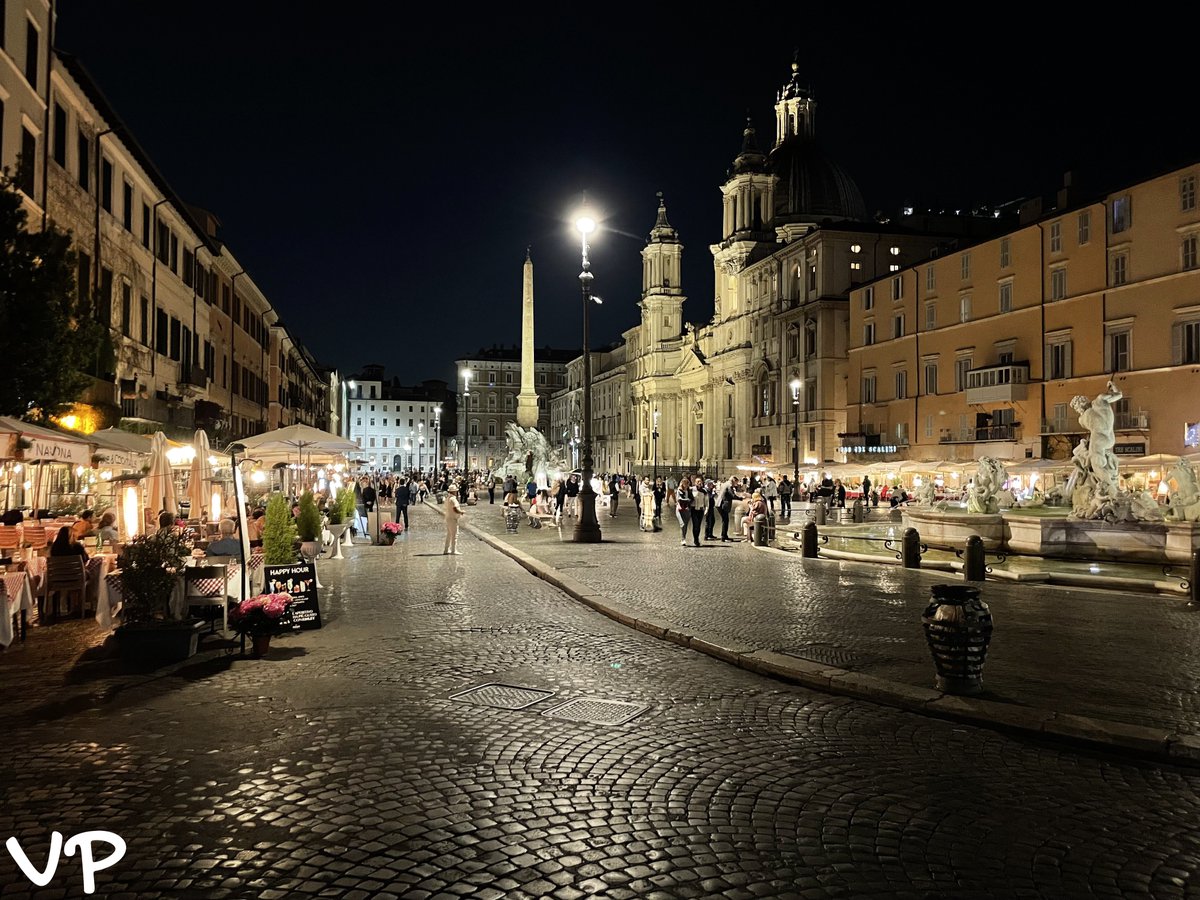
(17, 599)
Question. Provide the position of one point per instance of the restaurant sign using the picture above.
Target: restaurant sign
(1131, 448)
(46, 450)
(876, 448)
(299, 580)
(120, 459)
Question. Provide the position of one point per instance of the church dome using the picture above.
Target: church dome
(812, 186)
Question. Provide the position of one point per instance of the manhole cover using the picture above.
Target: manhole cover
(501, 696)
(597, 712)
(829, 655)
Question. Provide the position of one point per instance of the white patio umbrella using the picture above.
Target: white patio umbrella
(200, 477)
(1153, 461)
(160, 482)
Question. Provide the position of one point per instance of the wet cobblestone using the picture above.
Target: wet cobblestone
(1127, 658)
(340, 767)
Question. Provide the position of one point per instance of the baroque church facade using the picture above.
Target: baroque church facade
(766, 377)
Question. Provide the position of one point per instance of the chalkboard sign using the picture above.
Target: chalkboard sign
(299, 580)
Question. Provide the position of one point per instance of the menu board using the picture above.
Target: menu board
(299, 580)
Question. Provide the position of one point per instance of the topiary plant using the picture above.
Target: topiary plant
(346, 503)
(279, 533)
(148, 571)
(308, 519)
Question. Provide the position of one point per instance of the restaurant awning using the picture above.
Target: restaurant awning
(46, 444)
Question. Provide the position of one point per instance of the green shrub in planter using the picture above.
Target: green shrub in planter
(149, 567)
(308, 519)
(347, 503)
(337, 509)
(279, 533)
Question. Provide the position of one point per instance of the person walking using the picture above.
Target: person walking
(866, 490)
(454, 512)
(531, 491)
(636, 493)
(699, 508)
(770, 492)
(660, 492)
(683, 508)
(510, 490)
(724, 507)
(710, 514)
(614, 495)
(785, 498)
(572, 505)
(403, 497)
(672, 486)
(491, 486)
(648, 520)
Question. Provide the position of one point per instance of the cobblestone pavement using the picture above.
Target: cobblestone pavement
(1128, 658)
(340, 767)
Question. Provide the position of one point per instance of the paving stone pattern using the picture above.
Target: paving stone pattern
(1128, 658)
(340, 767)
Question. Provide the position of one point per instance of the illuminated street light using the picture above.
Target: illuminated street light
(587, 528)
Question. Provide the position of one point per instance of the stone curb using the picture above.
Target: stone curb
(1155, 743)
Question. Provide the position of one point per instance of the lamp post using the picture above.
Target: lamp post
(420, 446)
(437, 439)
(795, 386)
(654, 436)
(408, 448)
(587, 528)
(466, 419)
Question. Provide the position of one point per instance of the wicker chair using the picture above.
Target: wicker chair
(10, 540)
(65, 577)
(35, 538)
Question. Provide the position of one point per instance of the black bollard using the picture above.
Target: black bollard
(911, 549)
(974, 567)
(808, 541)
(760, 531)
(770, 528)
(857, 513)
(1194, 580)
(819, 511)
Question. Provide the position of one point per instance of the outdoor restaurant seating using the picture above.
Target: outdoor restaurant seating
(66, 577)
(10, 540)
(35, 537)
(205, 586)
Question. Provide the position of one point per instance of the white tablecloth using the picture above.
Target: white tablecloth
(18, 597)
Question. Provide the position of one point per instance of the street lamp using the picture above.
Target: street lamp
(466, 374)
(408, 448)
(421, 446)
(654, 435)
(795, 386)
(437, 439)
(587, 528)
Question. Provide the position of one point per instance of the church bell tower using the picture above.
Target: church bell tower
(662, 275)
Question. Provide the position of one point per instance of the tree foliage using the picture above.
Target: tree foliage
(50, 337)
(279, 533)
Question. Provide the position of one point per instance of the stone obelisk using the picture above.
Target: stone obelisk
(527, 402)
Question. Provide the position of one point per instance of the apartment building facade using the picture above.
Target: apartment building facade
(980, 350)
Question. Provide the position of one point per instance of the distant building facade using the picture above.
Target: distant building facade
(494, 383)
(398, 427)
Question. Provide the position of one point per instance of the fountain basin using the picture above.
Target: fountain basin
(1051, 535)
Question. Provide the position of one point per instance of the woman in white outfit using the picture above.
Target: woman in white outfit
(454, 511)
(646, 495)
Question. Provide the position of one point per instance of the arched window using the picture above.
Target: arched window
(766, 401)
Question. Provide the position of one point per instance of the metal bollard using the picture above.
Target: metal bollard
(911, 549)
(760, 531)
(1194, 580)
(770, 528)
(808, 541)
(857, 513)
(819, 512)
(974, 567)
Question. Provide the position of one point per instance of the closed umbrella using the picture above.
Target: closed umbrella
(200, 477)
(160, 483)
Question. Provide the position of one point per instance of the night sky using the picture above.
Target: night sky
(380, 170)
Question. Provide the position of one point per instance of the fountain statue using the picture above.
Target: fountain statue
(989, 480)
(1185, 499)
(530, 456)
(1094, 487)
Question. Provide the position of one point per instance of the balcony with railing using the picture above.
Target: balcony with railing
(158, 410)
(998, 384)
(981, 434)
(1129, 421)
(192, 376)
(1122, 421)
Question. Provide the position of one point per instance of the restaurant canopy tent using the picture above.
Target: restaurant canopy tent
(46, 446)
(1153, 461)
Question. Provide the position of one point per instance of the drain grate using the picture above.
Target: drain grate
(828, 654)
(501, 696)
(597, 712)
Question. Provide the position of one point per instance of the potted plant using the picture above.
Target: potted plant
(150, 569)
(388, 532)
(261, 618)
(279, 533)
(338, 514)
(308, 526)
(347, 505)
